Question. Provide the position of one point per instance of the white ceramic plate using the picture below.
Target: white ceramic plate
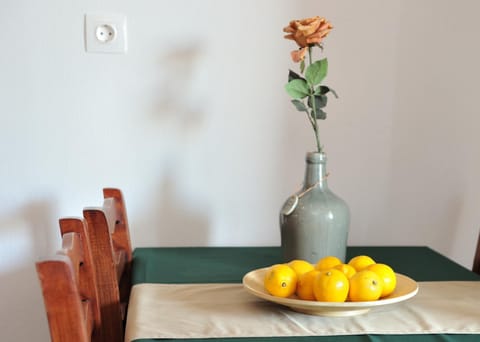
(253, 282)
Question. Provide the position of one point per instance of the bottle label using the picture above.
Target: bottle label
(289, 205)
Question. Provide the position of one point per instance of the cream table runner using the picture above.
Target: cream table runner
(227, 310)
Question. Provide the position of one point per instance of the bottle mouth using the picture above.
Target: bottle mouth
(316, 157)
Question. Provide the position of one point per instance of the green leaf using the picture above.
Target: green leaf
(321, 115)
(322, 90)
(320, 101)
(316, 72)
(297, 89)
(300, 106)
(292, 75)
(302, 66)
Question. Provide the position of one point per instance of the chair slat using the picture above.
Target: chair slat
(121, 235)
(88, 281)
(120, 264)
(106, 273)
(69, 314)
(88, 315)
(72, 248)
(110, 214)
(121, 241)
(109, 239)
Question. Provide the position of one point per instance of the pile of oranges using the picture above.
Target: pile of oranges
(330, 280)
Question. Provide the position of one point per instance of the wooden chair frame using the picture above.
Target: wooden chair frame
(109, 239)
(69, 288)
(86, 285)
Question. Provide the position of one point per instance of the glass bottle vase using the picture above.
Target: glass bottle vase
(314, 222)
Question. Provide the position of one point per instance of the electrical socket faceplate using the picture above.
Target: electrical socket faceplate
(105, 33)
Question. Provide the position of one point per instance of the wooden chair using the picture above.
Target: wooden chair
(109, 238)
(476, 259)
(69, 288)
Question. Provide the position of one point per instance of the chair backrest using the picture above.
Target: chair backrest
(109, 238)
(476, 258)
(69, 290)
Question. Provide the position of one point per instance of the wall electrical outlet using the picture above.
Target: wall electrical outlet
(105, 33)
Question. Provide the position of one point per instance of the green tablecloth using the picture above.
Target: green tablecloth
(230, 264)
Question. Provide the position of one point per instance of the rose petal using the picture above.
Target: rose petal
(298, 55)
(311, 41)
(289, 29)
(324, 26)
(308, 21)
(300, 39)
(309, 28)
(317, 37)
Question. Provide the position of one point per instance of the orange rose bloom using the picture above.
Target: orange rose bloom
(306, 32)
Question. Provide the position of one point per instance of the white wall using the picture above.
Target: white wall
(194, 125)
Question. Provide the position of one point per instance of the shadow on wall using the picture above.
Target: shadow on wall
(181, 92)
(25, 235)
(171, 217)
(175, 220)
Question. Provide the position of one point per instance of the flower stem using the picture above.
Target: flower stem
(314, 109)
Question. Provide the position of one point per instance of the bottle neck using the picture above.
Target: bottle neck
(316, 171)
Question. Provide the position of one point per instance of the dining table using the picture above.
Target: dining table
(205, 266)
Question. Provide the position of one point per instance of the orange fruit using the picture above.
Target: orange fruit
(365, 286)
(300, 266)
(280, 280)
(387, 276)
(331, 286)
(360, 262)
(305, 285)
(347, 269)
(327, 263)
